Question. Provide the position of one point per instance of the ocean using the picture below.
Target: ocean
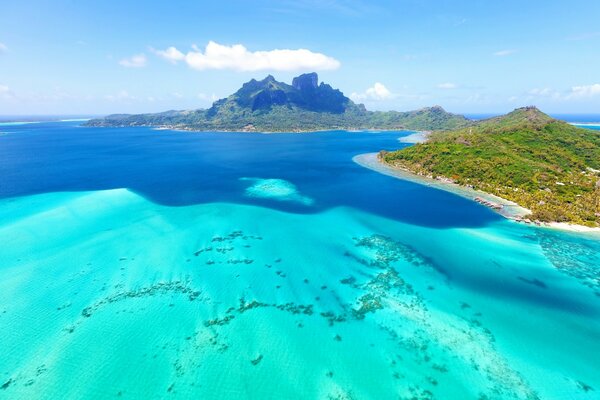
(141, 263)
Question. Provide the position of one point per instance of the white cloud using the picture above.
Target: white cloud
(538, 91)
(6, 93)
(123, 95)
(504, 53)
(171, 54)
(545, 92)
(377, 92)
(136, 61)
(239, 58)
(3, 47)
(203, 96)
(585, 91)
(477, 98)
(448, 85)
(574, 93)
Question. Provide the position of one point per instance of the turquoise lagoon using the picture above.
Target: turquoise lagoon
(155, 264)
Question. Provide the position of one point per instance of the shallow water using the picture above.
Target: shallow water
(155, 264)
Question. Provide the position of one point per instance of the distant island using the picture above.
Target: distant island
(542, 164)
(272, 106)
(545, 165)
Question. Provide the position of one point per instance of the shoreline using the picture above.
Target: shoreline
(263, 132)
(417, 137)
(594, 124)
(506, 208)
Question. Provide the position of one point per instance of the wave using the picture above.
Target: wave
(15, 123)
(586, 124)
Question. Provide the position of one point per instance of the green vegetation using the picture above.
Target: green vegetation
(272, 106)
(545, 165)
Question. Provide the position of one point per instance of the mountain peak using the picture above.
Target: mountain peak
(529, 117)
(304, 93)
(529, 114)
(436, 109)
(305, 82)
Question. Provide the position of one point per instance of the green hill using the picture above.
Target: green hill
(543, 164)
(272, 106)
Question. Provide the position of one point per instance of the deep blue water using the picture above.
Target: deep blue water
(183, 168)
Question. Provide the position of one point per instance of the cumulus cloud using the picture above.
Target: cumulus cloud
(239, 58)
(545, 92)
(5, 92)
(448, 85)
(504, 53)
(575, 93)
(584, 91)
(3, 47)
(170, 54)
(377, 92)
(135, 61)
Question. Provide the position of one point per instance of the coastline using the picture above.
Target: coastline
(281, 132)
(588, 124)
(509, 209)
(180, 128)
(414, 138)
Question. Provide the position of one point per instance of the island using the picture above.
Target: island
(272, 106)
(542, 164)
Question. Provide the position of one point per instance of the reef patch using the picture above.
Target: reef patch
(275, 189)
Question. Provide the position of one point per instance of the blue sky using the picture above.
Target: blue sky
(73, 57)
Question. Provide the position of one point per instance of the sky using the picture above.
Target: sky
(100, 57)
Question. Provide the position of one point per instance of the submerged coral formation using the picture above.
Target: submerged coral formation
(572, 257)
(223, 309)
(275, 189)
